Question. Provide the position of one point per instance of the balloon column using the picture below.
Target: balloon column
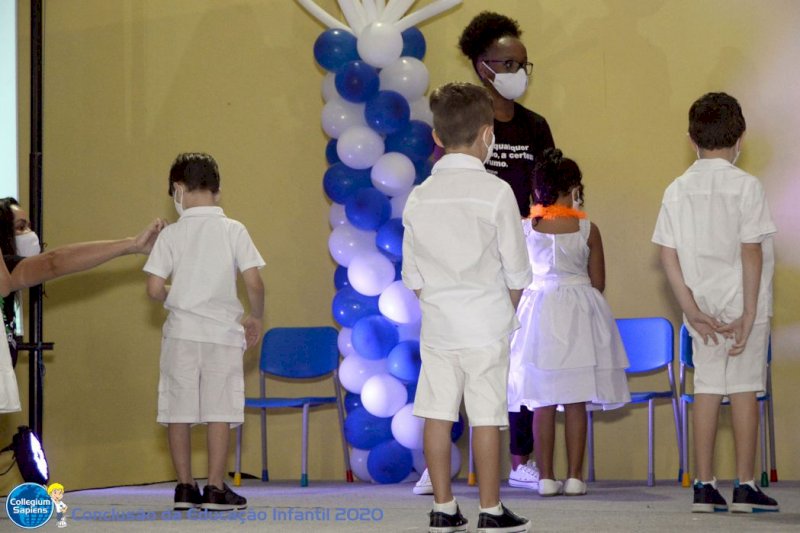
(379, 124)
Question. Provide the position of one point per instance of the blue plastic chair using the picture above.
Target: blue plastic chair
(766, 421)
(296, 354)
(650, 347)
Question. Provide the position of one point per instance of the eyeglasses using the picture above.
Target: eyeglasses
(512, 65)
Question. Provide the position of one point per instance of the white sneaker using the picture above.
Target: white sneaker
(526, 476)
(574, 487)
(550, 487)
(424, 485)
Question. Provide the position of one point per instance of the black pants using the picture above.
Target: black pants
(520, 432)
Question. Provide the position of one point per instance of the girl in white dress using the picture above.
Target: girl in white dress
(568, 347)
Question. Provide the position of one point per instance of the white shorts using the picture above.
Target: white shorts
(200, 382)
(480, 375)
(716, 372)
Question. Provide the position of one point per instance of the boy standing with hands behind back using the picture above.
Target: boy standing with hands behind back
(465, 257)
(715, 233)
(202, 379)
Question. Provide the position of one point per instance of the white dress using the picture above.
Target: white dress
(568, 348)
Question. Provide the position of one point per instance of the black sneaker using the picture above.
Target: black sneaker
(223, 499)
(187, 497)
(507, 522)
(747, 499)
(447, 523)
(707, 499)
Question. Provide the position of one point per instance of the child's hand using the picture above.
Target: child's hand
(740, 330)
(144, 242)
(707, 326)
(252, 330)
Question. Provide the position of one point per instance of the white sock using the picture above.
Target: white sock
(752, 484)
(497, 510)
(448, 508)
(713, 482)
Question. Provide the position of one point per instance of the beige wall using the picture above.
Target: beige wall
(128, 84)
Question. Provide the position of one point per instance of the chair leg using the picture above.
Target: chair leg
(304, 474)
(650, 445)
(237, 475)
(773, 472)
(762, 430)
(685, 443)
(264, 469)
(677, 418)
(471, 479)
(348, 471)
(590, 445)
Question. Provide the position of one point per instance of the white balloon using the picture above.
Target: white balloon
(399, 304)
(407, 76)
(346, 241)
(398, 203)
(408, 332)
(345, 342)
(339, 115)
(359, 147)
(421, 110)
(370, 273)
(329, 91)
(380, 44)
(354, 371)
(382, 395)
(407, 428)
(393, 174)
(358, 464)
(336, 215)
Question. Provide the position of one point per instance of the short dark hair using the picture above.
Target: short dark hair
(459, 110)
(553, 176)
(716, 121)
(483, 30)
(195, 170)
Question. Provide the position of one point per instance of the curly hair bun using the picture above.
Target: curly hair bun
(483, 30)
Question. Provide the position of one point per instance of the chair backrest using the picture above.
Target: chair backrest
(648, 342)
(300, 352)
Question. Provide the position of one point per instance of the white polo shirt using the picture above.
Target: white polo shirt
(706, 214)
(463, 248)
(202, 254)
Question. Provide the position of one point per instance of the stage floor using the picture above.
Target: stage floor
(336, 506)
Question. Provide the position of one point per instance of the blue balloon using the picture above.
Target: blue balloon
(415, 140)
(423, 170)
(330, 152)
(349, 306)
(389, 239)
(340, 280)
(412, 390)
(387, 112)
(333, 48)
(351, 401)
(368, 209)
(365, 431)
(413, 43)
(357, 81)
(389, 462)
(458, 429)
(341, 182)
(374, 337)
(405, 362)
(398, 271)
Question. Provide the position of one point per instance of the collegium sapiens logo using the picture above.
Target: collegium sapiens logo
(29, 506)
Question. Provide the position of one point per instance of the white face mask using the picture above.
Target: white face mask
(738, 151)
(178, 202)
(489, 147)
(27, 244)
(510, 86)
(576, 198)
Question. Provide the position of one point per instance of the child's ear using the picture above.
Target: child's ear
(692, 143)
(437, 140)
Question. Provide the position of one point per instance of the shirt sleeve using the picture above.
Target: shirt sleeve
(247, 255)
(664, 233)
(757, 223)
(159, 262)
(511, 242)
(410, 272)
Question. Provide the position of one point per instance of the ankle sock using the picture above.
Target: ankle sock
(497, 510)
(448, 508)
(752, 484)
(713, 482)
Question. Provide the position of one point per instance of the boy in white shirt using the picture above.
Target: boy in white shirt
(465, 257)
(204, 337)
(715, 233)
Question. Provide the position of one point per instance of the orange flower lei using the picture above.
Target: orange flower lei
(554, 211)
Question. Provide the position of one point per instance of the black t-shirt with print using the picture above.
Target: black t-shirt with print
(518, 144)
